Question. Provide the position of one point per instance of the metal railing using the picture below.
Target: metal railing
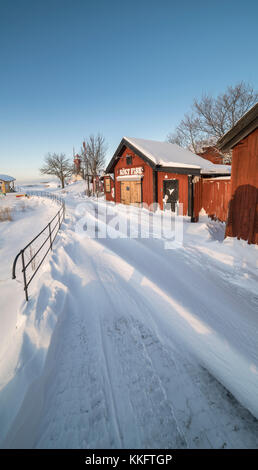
(49, 231)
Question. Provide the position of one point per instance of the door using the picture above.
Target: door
(170, 193)
(131, 192)
(136, 192)
(125, 192)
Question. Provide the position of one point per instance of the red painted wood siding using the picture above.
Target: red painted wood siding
(243, 210)
(183, 188)
(212, 195)
(147, 182)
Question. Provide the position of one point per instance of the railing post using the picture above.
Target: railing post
(50, 237)
(24, 276)
(14, 265)
(59, 218)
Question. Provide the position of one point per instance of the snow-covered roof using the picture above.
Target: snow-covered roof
(216, 169)
(6, 178)
(220, 178)
(171, 155)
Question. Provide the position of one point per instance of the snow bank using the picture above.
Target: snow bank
(21, 345)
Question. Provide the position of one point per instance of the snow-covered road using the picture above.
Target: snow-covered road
(135, 344)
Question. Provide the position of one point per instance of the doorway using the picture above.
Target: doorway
(170, 193)
(131, 192)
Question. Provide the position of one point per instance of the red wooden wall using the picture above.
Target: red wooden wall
(183, 188)
(212, 195)
(147, 183)
(243, 210)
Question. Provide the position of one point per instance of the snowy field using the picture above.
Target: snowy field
(124, 344)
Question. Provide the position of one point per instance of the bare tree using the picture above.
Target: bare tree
(213, 117)
(94, 153)
(187, 132)
(57, 165)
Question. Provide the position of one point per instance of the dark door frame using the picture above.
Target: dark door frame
(176, 181)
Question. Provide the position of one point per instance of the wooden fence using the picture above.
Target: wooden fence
(213, 195)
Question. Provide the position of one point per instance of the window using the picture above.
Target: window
(107, 185)
(128, 159)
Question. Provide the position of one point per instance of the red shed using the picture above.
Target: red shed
(214, 155)
(148, 171)
(243, 208)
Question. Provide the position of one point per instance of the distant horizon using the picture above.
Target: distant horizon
(35, 180)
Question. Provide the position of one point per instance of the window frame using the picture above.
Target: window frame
(129, 159)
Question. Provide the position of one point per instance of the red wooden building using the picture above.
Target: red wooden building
(243, 208)
(212, 154)
(147, 171)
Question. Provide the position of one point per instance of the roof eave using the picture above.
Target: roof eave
(179, 170)
(125, 143)
(247, 124)
(8, 181)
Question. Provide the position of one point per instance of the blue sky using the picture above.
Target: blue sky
(70, 68)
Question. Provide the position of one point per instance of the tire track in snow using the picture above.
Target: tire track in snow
(200, 438)
(155, 415)
(88, 388)
(139, 335)
(116, 279)
(110, 387)
(79, 406)
(138, 292)
(160, 408)
(208, 301)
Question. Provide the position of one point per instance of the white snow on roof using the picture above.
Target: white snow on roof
(6, 178)
(220, 178)
(167, 154)
(218, 169)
